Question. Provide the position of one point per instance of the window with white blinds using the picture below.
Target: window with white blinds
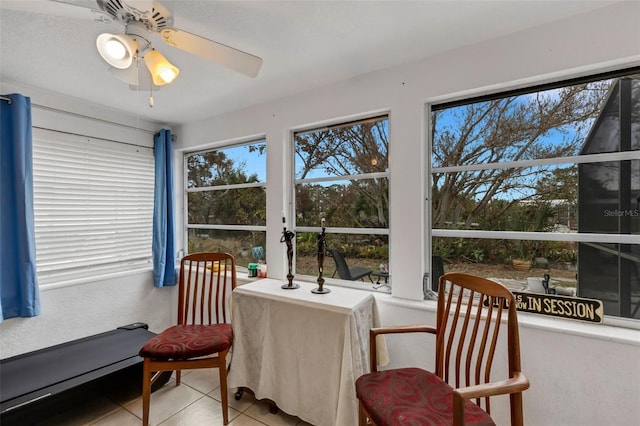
(93, 202)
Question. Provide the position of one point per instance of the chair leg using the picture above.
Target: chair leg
(223, 387)
(363, 418)
(146, 391)
(178, 377)
(516, 409)
(458, 409)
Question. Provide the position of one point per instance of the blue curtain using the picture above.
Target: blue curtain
(18, 281)
(164, 272)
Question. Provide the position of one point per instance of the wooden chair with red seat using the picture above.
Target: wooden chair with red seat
(470, 314)
(203, 334)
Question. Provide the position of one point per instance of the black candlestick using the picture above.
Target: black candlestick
(321, 250)
(287, 236)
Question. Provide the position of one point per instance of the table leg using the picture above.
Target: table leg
(273, 407)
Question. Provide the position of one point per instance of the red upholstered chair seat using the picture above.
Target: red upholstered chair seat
(188, 341)
(412, 396)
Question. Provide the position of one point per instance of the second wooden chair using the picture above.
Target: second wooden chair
(469, 316)
(202, 336)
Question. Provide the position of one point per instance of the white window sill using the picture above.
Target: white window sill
(619, 330)
(93, 279)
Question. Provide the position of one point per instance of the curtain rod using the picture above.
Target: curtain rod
(4, 98)
(75, 114)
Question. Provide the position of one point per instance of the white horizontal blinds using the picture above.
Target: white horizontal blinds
(93, 203)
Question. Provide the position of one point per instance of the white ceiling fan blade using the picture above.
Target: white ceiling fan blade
(219, 53)
(57, 8)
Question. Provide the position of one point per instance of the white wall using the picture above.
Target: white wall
(77, 311)
(589, 375)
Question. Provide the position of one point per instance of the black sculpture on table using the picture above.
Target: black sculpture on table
(322, 246)
(287, 236)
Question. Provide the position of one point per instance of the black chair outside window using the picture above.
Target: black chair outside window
(345, 272)
(437, 270)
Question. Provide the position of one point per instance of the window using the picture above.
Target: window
(342, 175)
(226, 201)
(93, 202)
(549, 176)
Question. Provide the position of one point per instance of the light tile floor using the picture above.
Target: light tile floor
(195, 402)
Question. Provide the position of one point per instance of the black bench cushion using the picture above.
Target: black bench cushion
(54, 369)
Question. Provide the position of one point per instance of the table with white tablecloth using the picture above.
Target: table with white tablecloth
(302, 350)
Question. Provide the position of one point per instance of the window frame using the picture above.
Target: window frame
(220, 146)
(292, 224)
(442, 103)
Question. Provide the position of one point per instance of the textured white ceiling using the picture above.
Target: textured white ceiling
(304, 44)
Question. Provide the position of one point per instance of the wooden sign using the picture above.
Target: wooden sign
(577, 308)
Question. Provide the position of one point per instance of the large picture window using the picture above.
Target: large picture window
(93, 206)
(342, 175)
(226, 201)
(545, 181)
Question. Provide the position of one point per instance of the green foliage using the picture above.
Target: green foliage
(306, 244)
(502, 251)
(241, 206)
(307, 248)
(470, 250)
(237, 243)
(558, 251)
(373, 252)
(366, 248)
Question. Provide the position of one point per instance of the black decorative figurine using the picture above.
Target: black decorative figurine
(287, 236)
(322, 243)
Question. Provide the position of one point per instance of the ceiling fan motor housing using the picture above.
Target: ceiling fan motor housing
(156, 19)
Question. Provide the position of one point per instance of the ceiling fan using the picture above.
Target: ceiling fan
(140, 19)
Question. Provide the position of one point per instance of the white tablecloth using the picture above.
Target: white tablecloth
(303, 350)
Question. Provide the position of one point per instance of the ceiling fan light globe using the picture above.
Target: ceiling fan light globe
(167, 75)
(162, 71)
(117, 50)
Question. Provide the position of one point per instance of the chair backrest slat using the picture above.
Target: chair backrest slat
(210, 300)
(206, 282)
(220, 289)
(469, 362)
(470, 313)
(203, 287)
(462, 334)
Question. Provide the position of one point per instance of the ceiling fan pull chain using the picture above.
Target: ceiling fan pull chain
(150, 94)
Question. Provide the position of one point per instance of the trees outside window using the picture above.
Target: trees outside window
(342, 175)
(226, 201)
(550, 175)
